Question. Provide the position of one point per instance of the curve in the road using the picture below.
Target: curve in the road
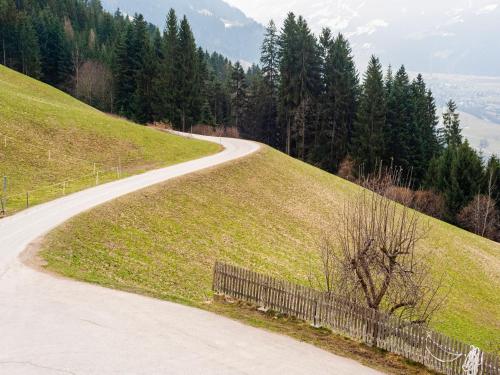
(52, 325)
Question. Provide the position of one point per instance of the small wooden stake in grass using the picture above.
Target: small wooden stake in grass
(27, 199)
(94, 168)
(97, 178)
(4, 196)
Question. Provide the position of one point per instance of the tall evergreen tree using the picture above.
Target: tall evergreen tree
(288, 62)
(270, 71)
(458, 174)
(424, 142)
(419, 110)
(146, 73)
(166, 87)
(398, 129)
(451, 122)
(321, 149)
(7, 32)
(368, 137)
(269, 57)
(29, 49)
(341, 85)
(186, 67)
(238, 95)
(432, 145)
(124, 73)
(492, 180)
(54, 50)
(300, 76)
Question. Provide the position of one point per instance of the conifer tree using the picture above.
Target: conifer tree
(270, 71)
(398, 129)
(124, 73)
(29, 49)
(451, 122)
(341, 85)
(461, 180)
(288, 62)
(54, 52)
(424, 144)
(146, 74)
(368, 137)
(186, 66)
(238, 95)
(458, 172)
(269, 57)
(300, 75)
(321, 148)
(432, 145)
(493, 179)
(417, 126)
(166, 87)
(7, 31)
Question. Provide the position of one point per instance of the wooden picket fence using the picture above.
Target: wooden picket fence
(415, 342)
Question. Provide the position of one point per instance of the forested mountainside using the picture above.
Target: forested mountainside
(217, 26)
(306, 98)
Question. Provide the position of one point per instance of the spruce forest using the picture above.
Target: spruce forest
(305, 98)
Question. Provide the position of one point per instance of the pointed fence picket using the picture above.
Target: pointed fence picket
(415, 342)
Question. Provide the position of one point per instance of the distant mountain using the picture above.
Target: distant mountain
(439, 36)
(216, 25)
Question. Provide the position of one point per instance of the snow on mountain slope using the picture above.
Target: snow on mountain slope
(446, 36)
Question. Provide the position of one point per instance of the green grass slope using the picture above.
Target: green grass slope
(50, 141)
(266, 213)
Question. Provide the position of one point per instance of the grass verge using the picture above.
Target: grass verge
(51, 144)
(264, 213)
(322, 338)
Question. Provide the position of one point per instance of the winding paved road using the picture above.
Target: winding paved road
(51, 325)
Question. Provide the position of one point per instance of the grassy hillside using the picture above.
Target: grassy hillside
(266, 213)
(49, 142)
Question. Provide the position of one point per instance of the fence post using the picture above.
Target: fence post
(315, 311)
(27, 199)
(266, 293)
(215, 277)
(4, 196)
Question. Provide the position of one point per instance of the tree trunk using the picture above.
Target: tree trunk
(183, 121)
(288, 137)
(4, 53)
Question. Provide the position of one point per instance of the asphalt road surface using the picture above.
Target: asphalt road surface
(51, 325)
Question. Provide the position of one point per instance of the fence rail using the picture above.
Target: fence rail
(415, 342)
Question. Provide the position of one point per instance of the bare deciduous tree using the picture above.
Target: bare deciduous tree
(347, 169)
(430, 203)
(371, 255)
(480, 217)
(95, 84)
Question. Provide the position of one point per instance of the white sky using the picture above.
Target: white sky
(264, 10)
